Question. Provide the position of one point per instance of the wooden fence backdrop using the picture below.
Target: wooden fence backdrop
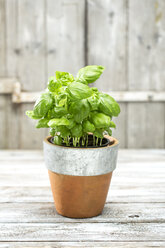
(126, 36)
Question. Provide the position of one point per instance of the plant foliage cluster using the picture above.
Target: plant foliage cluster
(72, 109)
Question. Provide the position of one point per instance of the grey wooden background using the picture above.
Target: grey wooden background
(126, 36)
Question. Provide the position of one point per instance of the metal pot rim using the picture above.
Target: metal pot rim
(116, 143)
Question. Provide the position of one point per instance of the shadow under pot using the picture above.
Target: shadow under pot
(80, 177)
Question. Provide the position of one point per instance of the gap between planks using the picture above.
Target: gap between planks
(100, 244)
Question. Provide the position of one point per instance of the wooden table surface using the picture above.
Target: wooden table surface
(134, 215)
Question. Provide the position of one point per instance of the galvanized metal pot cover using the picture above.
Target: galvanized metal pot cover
(80, 161)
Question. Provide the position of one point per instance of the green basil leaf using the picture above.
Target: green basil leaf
(98, 133)
(77, 131)
(80, 110)
(100, 120)
(57, 112)
(62, 100)
(94, 102)
(64, 131)
(57, 140)
(108, 105)
(64, 77)
(88, 127)
(78, 91)
(109, 131)
(72, 123)
(94, 89)
(112, 124)
(30, 114)
(60, 111)
(81, 80)
(52, 131)
(90, 73)
(58, 122)
(42, 123)
(54, 85)
(51, 114)
(43, 104)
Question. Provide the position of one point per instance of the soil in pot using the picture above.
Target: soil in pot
(105, 142)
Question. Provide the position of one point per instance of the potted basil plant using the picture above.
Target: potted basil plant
(80, 153)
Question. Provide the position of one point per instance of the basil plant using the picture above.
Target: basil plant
(72, 109)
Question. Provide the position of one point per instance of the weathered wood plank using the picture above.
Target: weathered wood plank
(65, 35)
(31, 63)
(23, 28)
(146, 45)
(82, 232)
(12, 110)
(46, 244)
(2, 74)
(31, 44)
(2, 39)
(121, 194)
(13, 52)
(143, 134)
(17, 155)
(138, 96)
(106, 43)
(113, 212)
(121, 124)
(3, 118)
(146, 48)
(7, 85)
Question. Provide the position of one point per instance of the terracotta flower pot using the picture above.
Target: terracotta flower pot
(80, 177)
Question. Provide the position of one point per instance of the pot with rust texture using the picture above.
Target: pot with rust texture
(80, 177)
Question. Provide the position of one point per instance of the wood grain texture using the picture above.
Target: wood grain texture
(12, 124)
(146, 48)
(65, 35)
(146, 45)
(39, 37)
(7, 85)
(133, 214)
(106, 42)
(142, 120)
(119, 244)
(43, 194)
(13, 111)
(113, 212)
(31, 63)
(82, 232)
(2, 73)
(99, 244)
(23, 53)
(2, 39)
